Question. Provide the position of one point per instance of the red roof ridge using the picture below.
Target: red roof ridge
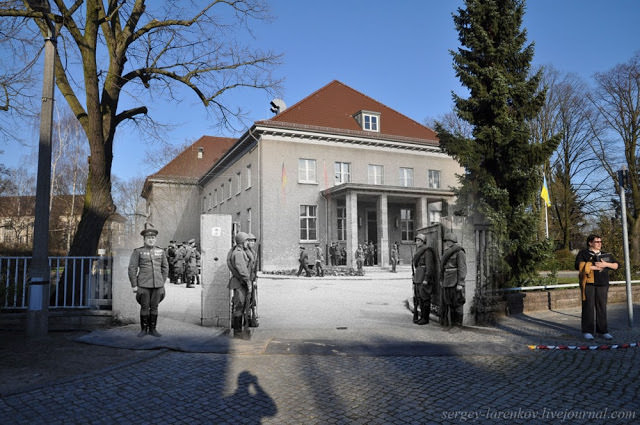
(337, 108)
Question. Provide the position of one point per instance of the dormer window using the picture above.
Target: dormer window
(368, 120)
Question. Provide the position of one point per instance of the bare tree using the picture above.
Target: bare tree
(6, 185)
(617, 102)
(572, 170)
(116, 54)
(452, 123)
(126, 195)
(16, 81)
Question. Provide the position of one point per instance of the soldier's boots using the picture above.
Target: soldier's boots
(424, 307)
(416, 314)
(144, 325)
(153, 321)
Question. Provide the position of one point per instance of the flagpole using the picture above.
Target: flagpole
(546, 219)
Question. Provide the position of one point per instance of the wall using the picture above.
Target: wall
(174, 211)
(555, 299)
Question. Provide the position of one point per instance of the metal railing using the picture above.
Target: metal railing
(557, 286)
(75, 282)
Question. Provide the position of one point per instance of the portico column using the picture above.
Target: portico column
(352, 226)
(383, 231)
(422, 213)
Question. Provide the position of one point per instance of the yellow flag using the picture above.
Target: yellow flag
(544, 194)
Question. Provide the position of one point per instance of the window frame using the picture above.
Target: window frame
(407, 225)
(431, 183)
(380, 176)
(341, 222)
(339, 172)
(307, 170)
(308, 223)
(404, 172)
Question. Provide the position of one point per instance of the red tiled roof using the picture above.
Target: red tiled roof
(335, 106)
(187, 165)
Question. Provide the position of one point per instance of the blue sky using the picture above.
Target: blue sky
(395, 52)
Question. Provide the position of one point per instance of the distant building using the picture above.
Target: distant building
(337, 166)
(173, 194)
(17, 217)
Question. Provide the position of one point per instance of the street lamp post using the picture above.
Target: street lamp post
(38, 307)
(622, 179)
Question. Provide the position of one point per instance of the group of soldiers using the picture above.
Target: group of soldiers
(184, 263)
(150, 266)
(448, 271)
(242, 261)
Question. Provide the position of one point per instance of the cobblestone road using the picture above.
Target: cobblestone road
(172, 387)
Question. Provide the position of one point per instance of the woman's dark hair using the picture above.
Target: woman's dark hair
(591, 237)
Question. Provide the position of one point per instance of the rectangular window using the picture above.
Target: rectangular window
(342, 172)
(435, 211)
(376, 174)
(342, 223)
(406, 177)
(306, 170)
(248, 176)
(434, 179)
(249, 229)
(230, 189)
(238, 182)
(222, 193)
(308, 222)
(370, 122)
(215, 198)
(406, 224)
(204, 204)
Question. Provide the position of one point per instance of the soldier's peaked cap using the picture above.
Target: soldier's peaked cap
(149, 230)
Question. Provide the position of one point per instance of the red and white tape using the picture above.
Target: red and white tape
(585, 347)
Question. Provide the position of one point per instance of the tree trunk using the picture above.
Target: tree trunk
(98, 203)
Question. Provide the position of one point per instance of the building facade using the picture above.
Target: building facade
(173, 195)
(336, 167)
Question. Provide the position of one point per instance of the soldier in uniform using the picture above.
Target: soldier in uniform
(253, 303)
(394, 257)
(333, 254)
(191, 263)
(319, 261)
(304, 262)
(181, 252)
(454, 271)
(171, 258)
(148, 270)
(359, 257)
(425, 270)
(240, 266)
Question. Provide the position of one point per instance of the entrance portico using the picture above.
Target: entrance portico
(359, 213)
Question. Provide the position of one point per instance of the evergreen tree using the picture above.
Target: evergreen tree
(502, 165)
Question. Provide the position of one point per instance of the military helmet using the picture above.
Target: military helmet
(251, 236)
(422, 237)
(450, 236)
(241, 237)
